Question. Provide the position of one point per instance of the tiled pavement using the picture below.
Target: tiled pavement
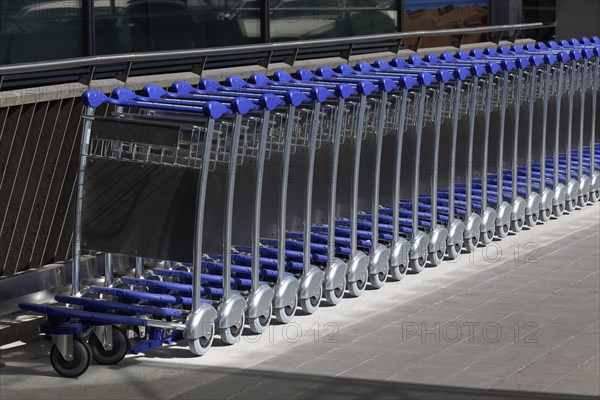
(516, 320)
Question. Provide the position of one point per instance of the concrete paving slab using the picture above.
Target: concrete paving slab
(385, 344)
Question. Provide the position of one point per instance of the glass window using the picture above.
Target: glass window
(35, 30)
(311, 19)
(445, 14)
(150, 25)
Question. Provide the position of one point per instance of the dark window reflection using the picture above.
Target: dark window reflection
(310, 19)
(149, 25)
(32, 30)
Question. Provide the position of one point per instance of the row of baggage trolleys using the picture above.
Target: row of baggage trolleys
(520, 120)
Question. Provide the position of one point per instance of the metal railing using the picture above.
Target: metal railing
(265, 51)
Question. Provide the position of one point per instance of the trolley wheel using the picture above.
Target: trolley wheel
(531, 220)
(502, 231)
(232, 334)
(558, 210)
(583, 200)
(78, 365)
(259, 324)
(453, 250)
(334, 296)
(471, 244)
(285, 314)
(399, 272)
(311, 304)
(545, 215)
(378, 280)
(436, 258)
(417, 265)
(113, 356)
(201, 345)
(486, 237)
(517, 225)
(595, 196)
(571, 205)
(356, 288)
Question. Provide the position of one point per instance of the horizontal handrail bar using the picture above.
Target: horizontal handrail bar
(93, 61)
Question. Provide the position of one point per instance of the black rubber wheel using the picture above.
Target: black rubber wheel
(558, 210)
(436, 258)
(77, 366)
(357, 288)
(502, 231)
(517, 225)
(545, 215)
(453, 251)
(335, 296)
(119, 350)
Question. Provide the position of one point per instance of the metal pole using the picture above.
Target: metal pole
(595, 70)
(108, 269)
(545, 127)
(285, 170)
(83, 156)
(570, 127)
(500, 166)
(584, 77)
(515, 158)
(333, 183)
(473, 112)
(561, 77)
(310, 173)
(533, 76)
(436, 155)
(199, 223)
(228, 229)
(377, 172)
(452, 174)
(419, 133)
(355, 178)
(486, 142)
(260, 169)
(398, 164)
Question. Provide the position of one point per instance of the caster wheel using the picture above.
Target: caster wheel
(398, 273)
(545, 215)
(418, 265)
(453, 250)
(502, 231)
(571, 205)
(201, 345)
(378, 280)
(113, 356)
(260, 324)
(582, 200)
(471, 245)
(335, 296)
(486, 237)
(531, 220)
(232, 334)
(595, 196)
(517, 225)
(82, 358)
(285, 314)
(356, 288)
(558, 210)
(311, 304)
(436, 258)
